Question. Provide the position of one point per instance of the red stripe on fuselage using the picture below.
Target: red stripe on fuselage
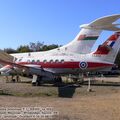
(67, 64)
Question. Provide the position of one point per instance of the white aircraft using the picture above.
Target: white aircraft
(64, 63)
(66, 59)
(85, 39)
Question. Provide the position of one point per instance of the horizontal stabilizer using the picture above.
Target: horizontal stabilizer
(104, 23)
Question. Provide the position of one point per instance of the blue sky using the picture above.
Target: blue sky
(49, 21)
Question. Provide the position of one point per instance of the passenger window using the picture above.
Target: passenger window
(33, 61)
(51, 61)
(71, 60)
(28, 61)
(56, 61)
(44, 61)
(38, 61)
(62, 61)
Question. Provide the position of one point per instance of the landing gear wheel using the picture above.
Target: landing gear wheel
(39, 81)
(33, 83)
(58, 81)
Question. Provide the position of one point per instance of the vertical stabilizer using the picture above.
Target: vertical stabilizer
(89, 33)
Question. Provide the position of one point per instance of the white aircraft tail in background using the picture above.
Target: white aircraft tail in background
(109, 49)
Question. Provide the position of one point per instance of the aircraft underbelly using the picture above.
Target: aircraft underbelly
(65, 70)
(75, 70)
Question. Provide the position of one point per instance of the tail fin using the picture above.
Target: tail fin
(89, 33)
(109, 49)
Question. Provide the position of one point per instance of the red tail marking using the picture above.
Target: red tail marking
(102, 50)
(105, 48)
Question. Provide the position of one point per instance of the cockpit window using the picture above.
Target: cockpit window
(20, 60)
(15, 59)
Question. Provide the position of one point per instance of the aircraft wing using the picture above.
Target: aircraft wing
(32, 69)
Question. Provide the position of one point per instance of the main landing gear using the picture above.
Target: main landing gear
(13, 78)
(36, 81)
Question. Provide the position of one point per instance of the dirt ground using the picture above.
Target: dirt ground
(72, 102)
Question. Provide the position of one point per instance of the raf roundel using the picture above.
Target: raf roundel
(83, 65)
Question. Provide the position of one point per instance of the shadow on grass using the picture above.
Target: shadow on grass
(66, 91)
(5, 93)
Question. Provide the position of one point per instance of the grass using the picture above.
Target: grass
(4, 92)
(30, 94)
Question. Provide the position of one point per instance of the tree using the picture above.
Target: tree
(53, 46)
(41, 47)
(23, 49)
(9, 50)
(36, 46)
(32, 47)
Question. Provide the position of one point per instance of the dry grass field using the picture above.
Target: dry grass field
(72, 103)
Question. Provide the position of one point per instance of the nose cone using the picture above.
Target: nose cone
(5, 68)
